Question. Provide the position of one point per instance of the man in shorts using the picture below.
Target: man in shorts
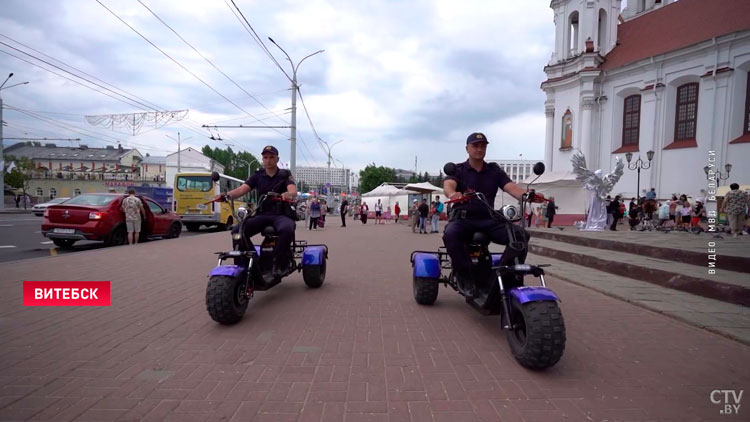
(133, 208)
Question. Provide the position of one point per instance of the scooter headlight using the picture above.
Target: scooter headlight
(241, 213)
(511, 212)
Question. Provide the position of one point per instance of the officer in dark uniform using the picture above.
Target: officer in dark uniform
(271, 179)
(466, 218)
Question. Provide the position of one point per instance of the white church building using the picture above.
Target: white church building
(672, 77)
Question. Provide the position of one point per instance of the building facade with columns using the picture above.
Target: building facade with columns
(665, 76)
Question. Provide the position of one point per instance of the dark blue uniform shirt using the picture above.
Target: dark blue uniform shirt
(488, 181)
(264, 183)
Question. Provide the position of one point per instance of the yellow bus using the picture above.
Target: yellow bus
(193, 190)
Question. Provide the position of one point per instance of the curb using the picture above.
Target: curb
(648, 308)
(724, 292)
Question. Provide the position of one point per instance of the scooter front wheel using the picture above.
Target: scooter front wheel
(537, 337)
(226, 299)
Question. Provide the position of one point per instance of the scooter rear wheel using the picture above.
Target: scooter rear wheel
(226, 301)
(537, 338)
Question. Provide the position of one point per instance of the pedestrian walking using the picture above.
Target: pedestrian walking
(363, 212)
(343, 209)
(323, 213)
(396, 212)
(685, 211)
(18, 200)
(387, 215)
(414, 216)
(378, 212)
(735, 206)
(424, 210)
(436, 216)
(314, 210)
(551, 211)
(133, 208)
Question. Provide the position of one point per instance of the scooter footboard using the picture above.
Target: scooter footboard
(533, 293)
(426, 265)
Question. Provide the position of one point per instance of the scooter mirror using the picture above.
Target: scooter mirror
(215, 176)
(449, 169)
(539, 168)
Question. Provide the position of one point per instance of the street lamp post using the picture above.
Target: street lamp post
(329, 148)
(346, 175)
(295, 87)
(2, 151)
(718, 176)
(638, 165)
(249, 170)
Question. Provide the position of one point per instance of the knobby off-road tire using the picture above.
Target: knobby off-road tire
(63, 243)
(538, 340)
(314, 275)
(224, 301)
(425, 290)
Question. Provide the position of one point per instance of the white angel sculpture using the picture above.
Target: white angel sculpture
(598, 186)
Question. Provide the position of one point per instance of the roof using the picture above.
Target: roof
(675, 26)
(150, 159)
(65, 153)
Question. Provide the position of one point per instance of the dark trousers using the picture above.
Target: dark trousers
(284, 227)
(615, 219)
(459, 233)
(549, 220)
(343, 219)
(313, 223)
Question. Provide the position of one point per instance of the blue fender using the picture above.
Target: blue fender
(226, 270)
(426, 265)
(313, 255)
(496, 259)
(533, 293)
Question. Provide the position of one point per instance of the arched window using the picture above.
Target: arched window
(567, 131)
(39, 192)
(686, 112)
(52, 193)
(601, 37)
(573, 34)
(631, 119)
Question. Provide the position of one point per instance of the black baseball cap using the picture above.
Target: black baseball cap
(476, 137)
(270, 148)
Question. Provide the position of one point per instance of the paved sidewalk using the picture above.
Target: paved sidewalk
(357, 349)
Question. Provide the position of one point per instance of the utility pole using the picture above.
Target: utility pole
(179, 168)
(2, 151)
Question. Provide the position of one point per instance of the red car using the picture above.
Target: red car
(98, 216)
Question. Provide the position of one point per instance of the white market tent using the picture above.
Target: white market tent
(388, 196)
(424, 187)
(570, 196)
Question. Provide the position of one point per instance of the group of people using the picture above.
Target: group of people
(421, 213)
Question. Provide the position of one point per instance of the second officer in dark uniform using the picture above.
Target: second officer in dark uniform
(271, 178)
(476, 175)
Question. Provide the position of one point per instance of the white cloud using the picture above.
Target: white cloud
(397, 79)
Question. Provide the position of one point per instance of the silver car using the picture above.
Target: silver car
(38, 209)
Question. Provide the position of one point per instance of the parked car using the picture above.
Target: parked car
(38, 209)
(98, 216)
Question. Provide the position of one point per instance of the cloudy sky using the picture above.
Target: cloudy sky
(398, 79)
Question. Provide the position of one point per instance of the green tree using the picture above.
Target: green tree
(373, 176)
(20, 176)
(235, 164)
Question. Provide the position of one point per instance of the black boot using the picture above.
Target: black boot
(466, 284)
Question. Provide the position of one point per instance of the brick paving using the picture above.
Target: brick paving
(357, 349)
